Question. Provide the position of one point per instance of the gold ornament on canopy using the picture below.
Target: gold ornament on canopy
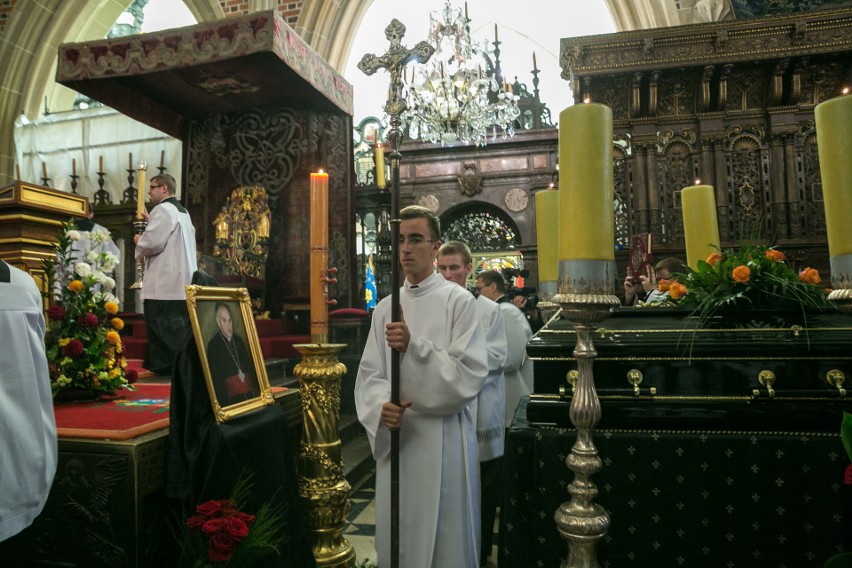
(242, 232)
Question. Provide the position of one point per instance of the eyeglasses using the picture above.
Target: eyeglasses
(414, 240)
(156, 186)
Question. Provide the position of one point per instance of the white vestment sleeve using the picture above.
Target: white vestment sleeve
(373, 387)
(444, 381)
(495, 340)
(161, 223)
(518, 334)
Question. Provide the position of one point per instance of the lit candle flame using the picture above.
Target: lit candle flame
(587, 100)
(845, 90)
(697, 181)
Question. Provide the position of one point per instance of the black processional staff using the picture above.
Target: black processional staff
(395, 60)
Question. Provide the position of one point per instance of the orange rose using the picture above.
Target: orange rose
(677, 290)
(775, 255)
(809, 276)
(663, 285)
(714, 259)
(75, 286)
(741, 274)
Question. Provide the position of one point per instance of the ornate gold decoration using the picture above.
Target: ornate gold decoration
(836, 378)
(242, 232)
(323, 489)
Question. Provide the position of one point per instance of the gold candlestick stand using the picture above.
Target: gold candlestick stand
(323, 489)
(585, 293)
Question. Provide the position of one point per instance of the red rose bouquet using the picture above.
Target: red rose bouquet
(220, 533)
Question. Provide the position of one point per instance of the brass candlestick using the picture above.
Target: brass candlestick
(139, 228)
(323, 489)
(585, 293)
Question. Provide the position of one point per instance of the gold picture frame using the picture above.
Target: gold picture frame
(229, 350)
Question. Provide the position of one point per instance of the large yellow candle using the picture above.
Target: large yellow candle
(546, 232)
(700, 226)
(586, 230)
(141, 188)
(380, 166)
(319, 257)
(834, 144)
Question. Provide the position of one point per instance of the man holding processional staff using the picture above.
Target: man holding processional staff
(443, 367)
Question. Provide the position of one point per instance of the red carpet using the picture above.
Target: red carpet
(131, 414)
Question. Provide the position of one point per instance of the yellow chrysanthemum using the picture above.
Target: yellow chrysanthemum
(114, 373)
(76, 286)
(111, 308)
(113, 337)
(64, 341)
(117, 323)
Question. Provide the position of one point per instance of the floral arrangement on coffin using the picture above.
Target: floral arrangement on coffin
(84, 348)
(220, 533)
(744, 278)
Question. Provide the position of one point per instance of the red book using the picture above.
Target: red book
(640, 260)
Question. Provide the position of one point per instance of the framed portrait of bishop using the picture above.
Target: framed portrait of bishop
(229, 350)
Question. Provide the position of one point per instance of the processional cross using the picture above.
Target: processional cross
(395, 60)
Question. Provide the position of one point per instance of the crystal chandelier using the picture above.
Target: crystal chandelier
(456, 95)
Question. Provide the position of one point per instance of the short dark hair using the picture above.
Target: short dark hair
(672, 264)
(417, 212)
(490, 277)
(166, 180)
(456, 247)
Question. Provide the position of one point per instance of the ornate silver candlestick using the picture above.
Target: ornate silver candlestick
(585, 293)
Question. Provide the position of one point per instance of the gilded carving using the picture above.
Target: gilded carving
(242, 232)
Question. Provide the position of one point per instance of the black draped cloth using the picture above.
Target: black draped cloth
(206, 459)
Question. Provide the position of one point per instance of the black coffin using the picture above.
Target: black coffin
(702, 378)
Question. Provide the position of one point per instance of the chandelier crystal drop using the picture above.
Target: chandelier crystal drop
(456, 95)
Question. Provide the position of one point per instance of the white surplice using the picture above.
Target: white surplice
(491, 403)
(519, 368)
(28, 447)
(168, 247)
(441, 372)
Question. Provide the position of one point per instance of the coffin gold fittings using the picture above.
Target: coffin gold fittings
(767, 378)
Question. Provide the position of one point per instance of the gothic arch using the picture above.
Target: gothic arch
(330, 27)
(482, 226)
